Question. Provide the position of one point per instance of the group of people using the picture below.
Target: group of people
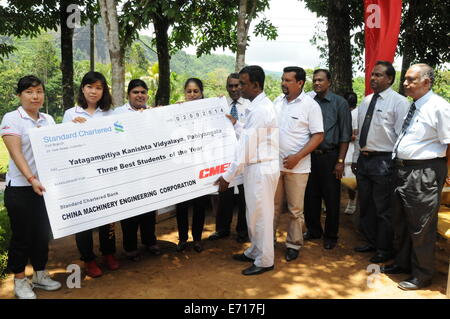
(292, 154)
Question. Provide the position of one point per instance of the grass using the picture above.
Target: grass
(5, 235)
(4, 158)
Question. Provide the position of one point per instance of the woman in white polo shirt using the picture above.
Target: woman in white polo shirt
(137, 101)
(94, 100)
(23, 194)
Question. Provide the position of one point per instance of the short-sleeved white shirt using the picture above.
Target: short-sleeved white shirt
(78, 111)
(126, 108)
(297, 120)
(18, 123)
(429, 132)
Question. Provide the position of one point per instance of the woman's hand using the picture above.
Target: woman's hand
(79, 119)
(37, 186)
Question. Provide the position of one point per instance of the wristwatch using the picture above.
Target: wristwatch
(340, 160)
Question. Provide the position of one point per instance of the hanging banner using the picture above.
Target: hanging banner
(382, 27)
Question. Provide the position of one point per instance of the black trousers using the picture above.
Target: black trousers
(416, 205)
(322, 183)
(145, 223)
(30, 229)
(85, 244)
(198, 218)
(375, 192)
(224, 217)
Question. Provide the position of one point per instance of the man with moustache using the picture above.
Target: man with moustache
(422, 157)
(327, 162)
(257, 157)
(380, 119)
(301, 131)
(226, 200)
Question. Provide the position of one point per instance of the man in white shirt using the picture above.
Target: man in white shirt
(380, 119)
(257, 157)
(224, 203)
(420, 156)
(301, 131)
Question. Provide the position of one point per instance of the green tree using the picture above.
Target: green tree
(343, 17)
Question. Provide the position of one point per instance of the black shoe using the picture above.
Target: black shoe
(329, 244)
(242, 257)
(291, 254)
(255, 270)
(380, 258)
(394, 269)
(364, 249)
(182, 245)
(218, 235)
(153, 250)
(308, 236)
(413, 284)
(198, 246)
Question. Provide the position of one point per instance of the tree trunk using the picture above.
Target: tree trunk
(243, 26)
(339, 46)
(161, 24)
(116, 53)
(66, 57)
(408, 43)
(92, 45)
(241, 36)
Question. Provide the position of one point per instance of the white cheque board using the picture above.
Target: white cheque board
(116, 167)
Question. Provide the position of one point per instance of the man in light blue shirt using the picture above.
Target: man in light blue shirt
(422, 156)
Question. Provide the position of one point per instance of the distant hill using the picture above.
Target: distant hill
(181, 62)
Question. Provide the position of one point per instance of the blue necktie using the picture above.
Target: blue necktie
(234, 112)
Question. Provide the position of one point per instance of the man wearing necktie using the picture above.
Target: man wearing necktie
(422, 156)
(224, 203)
(380, 119)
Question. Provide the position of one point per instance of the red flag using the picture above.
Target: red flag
(382, 27)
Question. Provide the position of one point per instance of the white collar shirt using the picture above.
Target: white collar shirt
(126, 108)
(241, 106)
(428, 134)
(78, 111)
(386, 124)
(259, 138)
(297, 120)
(18, 123)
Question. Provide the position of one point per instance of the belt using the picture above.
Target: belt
(369, 153)
(403, 163)
(321, 152)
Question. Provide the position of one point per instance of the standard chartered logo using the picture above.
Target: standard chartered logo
(118, 127)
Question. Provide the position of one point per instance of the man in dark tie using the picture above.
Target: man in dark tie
(225, 202)
(380, 118)
(422, 157)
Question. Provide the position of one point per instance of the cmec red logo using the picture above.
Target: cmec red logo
(219, 169)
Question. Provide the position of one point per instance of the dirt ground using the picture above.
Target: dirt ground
(317, 273)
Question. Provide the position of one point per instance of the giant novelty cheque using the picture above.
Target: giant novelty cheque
(116, 167)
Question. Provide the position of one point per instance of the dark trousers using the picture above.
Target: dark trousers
(322, 183)
(416, 205)
(198, 218)
(85, 244)
(224, 217)
(30, 229)
(146, 224)
(375, 191)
